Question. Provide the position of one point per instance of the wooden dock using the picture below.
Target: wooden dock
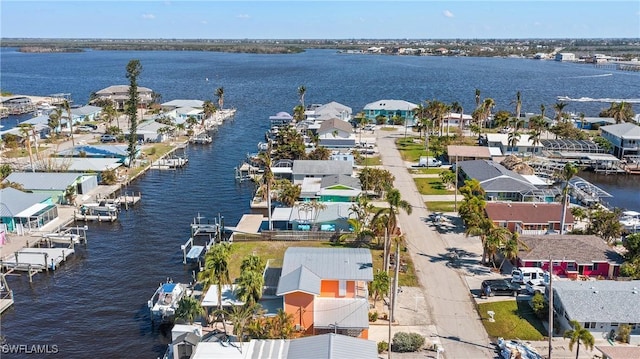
(6, 294)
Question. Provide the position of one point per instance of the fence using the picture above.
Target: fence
(287, 236)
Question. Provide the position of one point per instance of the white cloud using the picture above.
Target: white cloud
(148, 16)
(447, 13)
(243, 16)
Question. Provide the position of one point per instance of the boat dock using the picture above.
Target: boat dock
(585, 192)
(6, 294)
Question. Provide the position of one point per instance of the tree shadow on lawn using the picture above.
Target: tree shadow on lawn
(525, 312)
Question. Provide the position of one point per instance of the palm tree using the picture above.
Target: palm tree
(477, 98)
(282, 325)
(26, 131)
(457, 108)
(579, 335)
(511, 249)
(55, 117)
(301, 92)
(109, 113)
(518, 103)
(620, 111)
(513, 138)
(582, 121)
(395, 201)
(216, 269)
(240, 317)
(67, 108)
(252, 262)
(298, 113)
(567, 174)
(220, 96)
(379, 287)
(209, 109)
(487, 105)
(250, 286)
(189, 308)
(558, 107)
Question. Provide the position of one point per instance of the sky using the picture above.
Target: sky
(324, 19)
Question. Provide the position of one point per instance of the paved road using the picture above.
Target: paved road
(449, 301)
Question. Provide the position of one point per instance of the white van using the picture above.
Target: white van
(523, 275)
(429, 162)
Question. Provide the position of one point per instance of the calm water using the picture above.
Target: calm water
(96, 303)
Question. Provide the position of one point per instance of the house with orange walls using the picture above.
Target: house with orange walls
(326, 289)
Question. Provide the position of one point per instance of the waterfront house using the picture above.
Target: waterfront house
(119, 95)
(151, 131)
(78, 165)
(86, 113)
(325, 289)
(624, 137)
(314, 216)
(23, 212)
(565, 56)
(319, 168)
(39, 129)
(390, 109)
(98, 151)
(329, 111)
(335, 133)
(529, 218)
(467, 153)
(175, 104)
(592, 123)
(523, 146)
(572, 255)
(280, 119)
(599, 306)
(453, 119)
(54, 184)
(335, 188)
(499, 183)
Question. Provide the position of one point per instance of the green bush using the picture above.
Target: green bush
(406, 342)
(383, 347)
(540, 306)
(624, 332)
(373, 316)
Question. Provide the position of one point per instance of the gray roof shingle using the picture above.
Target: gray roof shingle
(600, 301)
(625, 130)
(494, 177)
(324, 167)
(581, 249)
(340, 179)
(300, 279)
(331, 263)
(43, 180)
(332, 346)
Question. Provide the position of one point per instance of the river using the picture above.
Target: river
(95, 305)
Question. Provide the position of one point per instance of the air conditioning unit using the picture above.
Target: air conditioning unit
(298, 328)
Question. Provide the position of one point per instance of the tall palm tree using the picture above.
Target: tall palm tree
(511, 249)
(487, 105)
(379, 287)
(67, 108)
(579, 335)
(620, 111)
(26, 132)
(495, 240)
(189, 308)
(240, 317)
(457, 108)
(252, 262)
(395, 202)
(108, 114)
(477, 98)
(567, 174)
(558, 107)
(55, 118)
(513, 138)
(582, 121)
(518, 103)
(209, 109)
(298, 113)
(216, 269)
(220, 96)
(301, 92)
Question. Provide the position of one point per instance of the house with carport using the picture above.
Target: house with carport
(319, 169)
(573, 256)
(22, 212)
(325, 289)
(601, 306)
(335, 133)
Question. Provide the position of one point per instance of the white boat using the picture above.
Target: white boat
(630, 220)
(99, 208)
(164, 302)
(201, 139)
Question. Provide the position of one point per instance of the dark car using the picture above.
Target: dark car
(499, 287)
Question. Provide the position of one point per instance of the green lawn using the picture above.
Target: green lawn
(441, 206)
(387, 128)
(431, 186)
(411, 148)
(427, 171)
(370, 161)
(513, 320)
(274, 250)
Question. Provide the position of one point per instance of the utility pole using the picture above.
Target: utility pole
(455, 193)
(395, 282)
(550, 305)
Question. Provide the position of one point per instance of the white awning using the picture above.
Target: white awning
(32, 210)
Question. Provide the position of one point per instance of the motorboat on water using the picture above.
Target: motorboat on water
(630, 220)
(164, 302)
(99, 208)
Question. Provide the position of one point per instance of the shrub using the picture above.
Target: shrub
(624, 332)
(373, 316)
(406, 342)
(540, 306)
(383, 346)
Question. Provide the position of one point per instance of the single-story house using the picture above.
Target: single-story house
(86, 113)
(335, 133)
(150, 131)
(175, 104)
(21, 211)
(453, 119)
(304, 216)
(335, 188)
(79, 165)
(572, 255)
(624, 137)
(467, 153)
(319, 169)
(390, 109)
(599, 306)
(499, 183)
(592, 123)
(119, 95)
(331, 110)
(54, 184)
(98, 151)
(529, 218)
(523, 146)
(619, 352)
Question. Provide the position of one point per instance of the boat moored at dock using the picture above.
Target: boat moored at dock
(164, 302)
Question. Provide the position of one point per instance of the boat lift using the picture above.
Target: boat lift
(586, 192)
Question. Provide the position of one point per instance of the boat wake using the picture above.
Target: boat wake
(589, 76)
(590, 99)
